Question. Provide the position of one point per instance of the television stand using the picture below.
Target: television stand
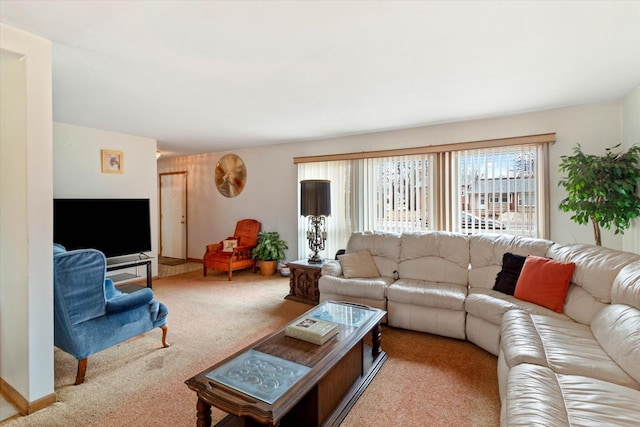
(121, 263)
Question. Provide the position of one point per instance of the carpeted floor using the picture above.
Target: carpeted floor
(427, 380)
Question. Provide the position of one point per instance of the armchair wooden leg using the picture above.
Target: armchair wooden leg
(230, 274)
(204, 270)
(165, 329)
(82, 369)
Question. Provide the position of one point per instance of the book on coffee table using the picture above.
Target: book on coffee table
(315, 331)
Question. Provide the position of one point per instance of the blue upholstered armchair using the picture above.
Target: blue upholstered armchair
(90, 314)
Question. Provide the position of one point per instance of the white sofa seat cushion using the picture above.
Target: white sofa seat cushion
(428, 294)
(566, 347)
(537, 396)
(375, 288)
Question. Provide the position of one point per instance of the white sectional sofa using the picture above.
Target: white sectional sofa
(577, 367)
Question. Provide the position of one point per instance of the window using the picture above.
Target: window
(501, 175)
(498, 186)
(398, 192)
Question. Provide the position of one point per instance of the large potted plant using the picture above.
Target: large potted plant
(602, 189)
(269, 250)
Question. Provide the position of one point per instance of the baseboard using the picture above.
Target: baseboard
(21, 404)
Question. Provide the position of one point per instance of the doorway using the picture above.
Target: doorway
(173, 215)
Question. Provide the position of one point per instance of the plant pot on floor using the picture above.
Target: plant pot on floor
(269, 250)
(268, 268)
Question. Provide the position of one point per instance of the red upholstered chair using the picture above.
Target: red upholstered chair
(234, 253)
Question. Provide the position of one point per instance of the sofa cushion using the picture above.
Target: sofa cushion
(538, 396)
(626, 286)
(383, 247)
(596, 266)
(428, 294)
(490, 305)
(486, 252)
(358, 264)
(435, 256)
(566, 347)
(331, 268)
(545, 282)
(508, 277)
(375, 288)
(617, 329)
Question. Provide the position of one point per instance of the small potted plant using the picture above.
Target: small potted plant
(269, 250)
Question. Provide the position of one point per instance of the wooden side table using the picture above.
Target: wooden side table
(303, 281)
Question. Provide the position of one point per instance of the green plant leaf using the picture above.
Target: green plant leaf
(602, 188)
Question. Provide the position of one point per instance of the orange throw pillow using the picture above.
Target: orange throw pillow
(545, 282)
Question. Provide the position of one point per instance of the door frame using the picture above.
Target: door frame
(186, 209)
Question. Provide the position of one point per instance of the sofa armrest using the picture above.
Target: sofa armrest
(110, 290)
(124, 302)
(332, 268)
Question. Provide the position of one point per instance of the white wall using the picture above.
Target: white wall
(631, 136)
(77, 169)
(271, 191)
(269, 196)
(26, 264)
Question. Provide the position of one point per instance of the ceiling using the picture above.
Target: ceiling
(208, 76)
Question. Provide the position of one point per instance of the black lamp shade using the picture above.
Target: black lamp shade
(315, 197)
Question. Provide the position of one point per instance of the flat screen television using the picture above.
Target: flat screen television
(115, 227)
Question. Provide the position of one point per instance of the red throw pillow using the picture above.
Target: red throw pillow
(545, 282)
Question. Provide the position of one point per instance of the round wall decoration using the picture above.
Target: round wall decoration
(231, 175)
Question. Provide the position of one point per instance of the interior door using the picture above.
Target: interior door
(173, 215)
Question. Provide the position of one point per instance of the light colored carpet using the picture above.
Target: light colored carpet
(427, 380)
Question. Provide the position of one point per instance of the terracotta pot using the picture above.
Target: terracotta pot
(268, 268)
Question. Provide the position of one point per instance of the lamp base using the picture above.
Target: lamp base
(316, 235)
(315, 259)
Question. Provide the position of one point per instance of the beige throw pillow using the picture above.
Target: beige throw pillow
(358, 264)
(229, 245)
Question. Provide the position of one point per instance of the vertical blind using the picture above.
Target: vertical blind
(467, 188)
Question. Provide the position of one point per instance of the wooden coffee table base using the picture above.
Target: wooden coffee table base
(330, 400)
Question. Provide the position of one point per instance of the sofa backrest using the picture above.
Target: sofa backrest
(486, 252)
(626, 286)
(593, 278)
(620, 336)
(78, 281)
(384, 248)
(616, 329)
(436, 256)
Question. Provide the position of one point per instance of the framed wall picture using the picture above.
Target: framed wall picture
(112, 161)
(230, 175)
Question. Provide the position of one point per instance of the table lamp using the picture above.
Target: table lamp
(315, 204)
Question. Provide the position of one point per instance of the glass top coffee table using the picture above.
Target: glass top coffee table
(280, 380)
